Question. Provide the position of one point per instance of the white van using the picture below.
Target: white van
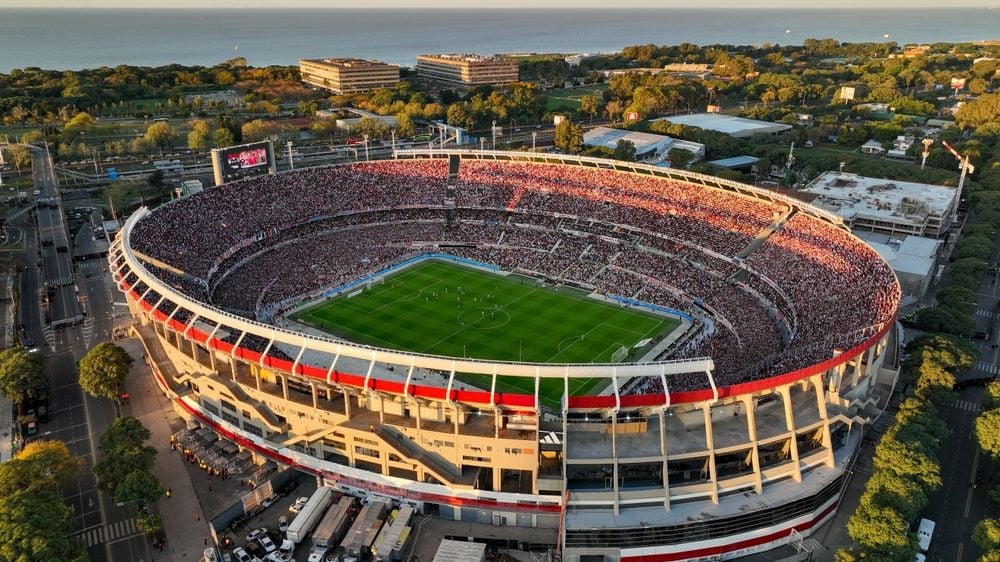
(924, 533)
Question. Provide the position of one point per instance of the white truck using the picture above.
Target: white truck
(307, 518)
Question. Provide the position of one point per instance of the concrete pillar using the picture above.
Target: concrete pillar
(663, 453)
(713, 475)
(312, 387)
(752, 433)
(817, 384)
(793, 446)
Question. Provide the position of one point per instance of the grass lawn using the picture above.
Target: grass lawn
(445, 309)
(569, 98)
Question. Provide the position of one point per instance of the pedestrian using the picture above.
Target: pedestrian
(209, 487)
(169, 492)
(197, 516)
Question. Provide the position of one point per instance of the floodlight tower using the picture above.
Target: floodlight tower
(927, 150)
(966, 168)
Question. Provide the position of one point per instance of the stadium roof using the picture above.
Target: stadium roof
(737, 127)
(852, 196)
(647, 145)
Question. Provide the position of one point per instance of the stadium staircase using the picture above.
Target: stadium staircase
(763, 235)
(450, 189)
(407, 448)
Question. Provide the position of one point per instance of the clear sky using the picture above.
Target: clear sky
(187, 4)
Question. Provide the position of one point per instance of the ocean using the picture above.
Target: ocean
(76, 39)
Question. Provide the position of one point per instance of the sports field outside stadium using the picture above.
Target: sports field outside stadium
(445, 309)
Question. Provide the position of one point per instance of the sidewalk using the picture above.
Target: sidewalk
(187, 535)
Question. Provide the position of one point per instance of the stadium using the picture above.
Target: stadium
(649, 364)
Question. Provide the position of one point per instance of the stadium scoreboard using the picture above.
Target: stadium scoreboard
(245, 160)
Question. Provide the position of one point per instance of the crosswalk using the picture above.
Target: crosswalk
(988, 368)
(109, 533)
(967, 406)
(984, 312)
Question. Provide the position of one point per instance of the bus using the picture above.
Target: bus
(423, 137)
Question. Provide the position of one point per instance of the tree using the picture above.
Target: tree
(679, 158)
(103, 370)
(161, 135)
(20, 156)
(257, 130)
(22, 375)
(124, 432)
(36, 525)
(984, 110)
(988, 433)
(139, 486)
(624, 150)
(569, 136)
(200, 136)
(590, 106)
(223, 137)
(149, 522)
(987, 534)
(39, 465)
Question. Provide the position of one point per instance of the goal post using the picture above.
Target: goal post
(620, 354)
(375, 282)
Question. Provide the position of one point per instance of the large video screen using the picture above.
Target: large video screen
(245, 160)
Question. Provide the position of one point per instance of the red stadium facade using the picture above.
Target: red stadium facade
(735, 439)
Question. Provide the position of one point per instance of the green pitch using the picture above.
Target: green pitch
(445, 309)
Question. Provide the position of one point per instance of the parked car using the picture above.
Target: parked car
(267, 544)
(283, 523)
(298, 505)
(256, 533)
(270, 500)
(241, 554)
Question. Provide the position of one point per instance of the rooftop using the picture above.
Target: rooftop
(644, 142)
(732, 126)
(469, 57)
(852, 196)
(735, 162)
(460, 551)
(348, 62)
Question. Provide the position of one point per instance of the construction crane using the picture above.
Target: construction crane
(966, 168)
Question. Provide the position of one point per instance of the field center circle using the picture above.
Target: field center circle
(483, 318)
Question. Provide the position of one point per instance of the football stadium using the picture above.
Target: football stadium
(645, 364)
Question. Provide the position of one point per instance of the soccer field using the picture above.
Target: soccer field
(445, 309)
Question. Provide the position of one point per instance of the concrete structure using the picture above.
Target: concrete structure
(347, 75)
(737, 127)
(886, 206)
(467, 70)
(669, 475)
(460, 551)
(649, 147)
(914, 259)
(352, 123)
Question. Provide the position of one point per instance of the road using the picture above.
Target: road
(57, 263)
(962, 502)
(108, 531)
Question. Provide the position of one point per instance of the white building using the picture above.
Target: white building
(912, 258)
(737, 127)
(648, 146)
(886, 206)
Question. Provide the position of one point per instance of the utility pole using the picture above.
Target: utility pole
(291, 164)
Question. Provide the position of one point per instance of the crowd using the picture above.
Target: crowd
(269, 240)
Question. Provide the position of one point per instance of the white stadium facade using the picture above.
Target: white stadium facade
(736, 439)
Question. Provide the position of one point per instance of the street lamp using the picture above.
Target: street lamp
(393, 133)
(365, 136)
(291, 165)
(493, 129)
(482, 143)
(534, 136)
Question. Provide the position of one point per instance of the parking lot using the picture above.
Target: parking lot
(269, 519)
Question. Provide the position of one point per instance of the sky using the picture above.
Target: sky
(617, 4)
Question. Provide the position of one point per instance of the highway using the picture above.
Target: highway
(108, 531)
